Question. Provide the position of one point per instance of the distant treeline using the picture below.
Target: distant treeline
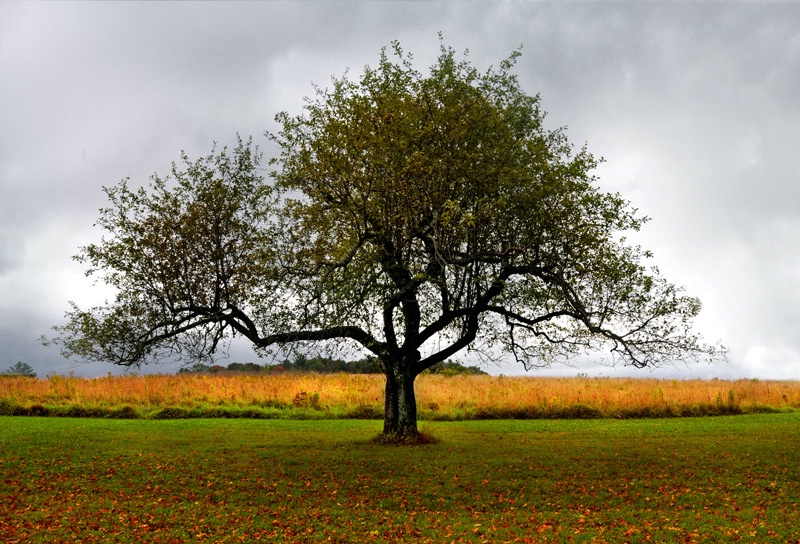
(327, 365)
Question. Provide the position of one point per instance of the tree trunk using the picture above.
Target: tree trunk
(400, 415)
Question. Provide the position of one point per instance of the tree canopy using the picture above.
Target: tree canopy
(21, 369)
(411, 215)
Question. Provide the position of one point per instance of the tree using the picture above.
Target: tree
(21, 369)
(453, 368)
(412, 216)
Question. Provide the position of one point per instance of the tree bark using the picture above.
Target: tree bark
(400, 415)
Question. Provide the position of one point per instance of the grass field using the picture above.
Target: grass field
(332, 396)
(718, 479)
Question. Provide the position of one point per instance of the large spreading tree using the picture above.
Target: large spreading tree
(413, 216)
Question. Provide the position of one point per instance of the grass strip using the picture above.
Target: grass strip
(238, 411)
(239, 480)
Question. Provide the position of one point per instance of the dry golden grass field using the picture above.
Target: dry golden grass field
(350, 395)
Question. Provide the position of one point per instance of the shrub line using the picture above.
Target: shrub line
(575, 411)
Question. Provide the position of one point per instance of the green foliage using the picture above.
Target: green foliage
(195, 368)
(454, 368)
(188, 257)
(21, 369)
(693, 480)
(407, 211)
(439, 206)
(244, 367)
(327, 365)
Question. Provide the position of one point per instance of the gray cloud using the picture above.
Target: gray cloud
(694, 107)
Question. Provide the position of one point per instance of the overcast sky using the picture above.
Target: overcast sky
(694, 106)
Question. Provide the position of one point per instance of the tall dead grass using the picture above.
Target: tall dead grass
(438, 397)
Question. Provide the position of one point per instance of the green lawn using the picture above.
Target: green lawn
(676, 480)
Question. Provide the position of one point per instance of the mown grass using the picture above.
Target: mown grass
(661, 480)
(440, 398)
